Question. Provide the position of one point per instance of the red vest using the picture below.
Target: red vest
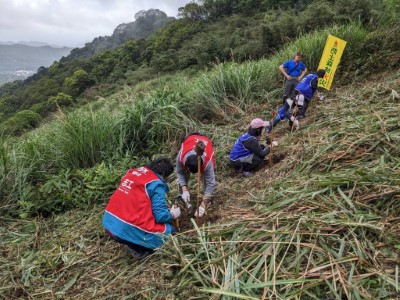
(130, 202)
(190, 144)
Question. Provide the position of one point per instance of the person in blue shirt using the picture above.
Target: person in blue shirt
(294, 70)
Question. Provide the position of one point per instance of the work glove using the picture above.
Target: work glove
(186, 199)
(274, 143)
(292, 118)
(297, 124)
(200, 211)
(175, 212)
(321, 97)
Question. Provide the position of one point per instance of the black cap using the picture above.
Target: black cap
(321, 73)
(192, 164)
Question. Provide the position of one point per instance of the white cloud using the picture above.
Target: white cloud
(72, 22)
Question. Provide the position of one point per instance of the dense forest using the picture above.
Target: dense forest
(208, 32)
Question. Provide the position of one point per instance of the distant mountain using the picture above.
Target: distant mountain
(31, 43)
(145, 24)
(19, 61)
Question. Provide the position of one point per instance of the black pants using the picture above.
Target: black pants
(247, 167)
(289, 92)
(303, 110)
(137, 248)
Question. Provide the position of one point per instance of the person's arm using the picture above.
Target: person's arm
(283, 71)
(303, 73)
(156, 190)
(314, 84)
(209, 179)
(180, 173)
(254, 146)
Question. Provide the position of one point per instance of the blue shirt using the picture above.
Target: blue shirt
(308, 85)
(239, 150)
(293, 69)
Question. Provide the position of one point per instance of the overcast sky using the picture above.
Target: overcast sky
(72, 22)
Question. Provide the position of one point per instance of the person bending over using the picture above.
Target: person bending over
(187, 162)
(137, 214)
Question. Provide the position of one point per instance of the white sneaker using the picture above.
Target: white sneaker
(200, 211)
(188, 204)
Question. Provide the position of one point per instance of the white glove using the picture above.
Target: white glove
(292, 118)
(186, 199)
(200, 211)
(296, 123)
(321, 97)
(175, 212)
(274, 143)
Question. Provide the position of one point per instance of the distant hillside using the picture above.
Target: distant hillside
(22, 57)
(19, 61)
(31, 43)
(145, 24)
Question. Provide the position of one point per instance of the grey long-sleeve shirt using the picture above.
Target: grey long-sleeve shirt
(209, 175)
(252, 144)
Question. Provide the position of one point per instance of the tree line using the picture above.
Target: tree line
(207, 32)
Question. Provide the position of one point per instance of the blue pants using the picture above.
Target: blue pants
(284, 112)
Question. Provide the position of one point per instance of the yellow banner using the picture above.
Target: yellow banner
(330, 59)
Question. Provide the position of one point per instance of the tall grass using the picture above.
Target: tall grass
(230, 88)
(154, 120)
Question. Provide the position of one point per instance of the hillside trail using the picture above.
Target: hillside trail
(235, 196)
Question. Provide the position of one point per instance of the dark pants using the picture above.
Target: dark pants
(139, 249)
(247, 167)
(302, 111)
(289, 92)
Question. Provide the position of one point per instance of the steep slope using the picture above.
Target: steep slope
(321, 223)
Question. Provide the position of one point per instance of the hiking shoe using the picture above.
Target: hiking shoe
(247, 174)
(137, 254)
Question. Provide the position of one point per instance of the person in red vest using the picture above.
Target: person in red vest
(187, 162)
(137, 214)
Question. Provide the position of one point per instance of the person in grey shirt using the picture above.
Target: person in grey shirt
(187, 163)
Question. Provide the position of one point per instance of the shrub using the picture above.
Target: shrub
(22, 121)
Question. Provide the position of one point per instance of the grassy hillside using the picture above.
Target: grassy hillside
(322, 223)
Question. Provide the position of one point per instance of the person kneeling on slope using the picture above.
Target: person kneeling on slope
(247, 154)
(137, 214)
